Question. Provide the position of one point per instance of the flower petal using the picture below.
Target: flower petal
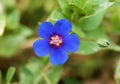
(62, 27)
(58, 56)
(41, 47)
(45, 30)
(71, 43)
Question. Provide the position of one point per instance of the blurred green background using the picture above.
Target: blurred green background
(96, 22)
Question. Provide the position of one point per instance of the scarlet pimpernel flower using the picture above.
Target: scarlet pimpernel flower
(56, 41)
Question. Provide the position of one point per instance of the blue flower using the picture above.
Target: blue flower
(56, 41)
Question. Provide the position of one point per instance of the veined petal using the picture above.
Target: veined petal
(41, 47)
(45, 30)
(71, 43)
(58, 56)
(62, 27)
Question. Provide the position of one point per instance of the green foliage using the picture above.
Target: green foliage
(103, 43)
(13, 20)
(91, 47)
(8, 3)
(9, 44)
(86, 17)
(39, 71)
(92, 21)
(56, 15)
(10, 74)
(15, 33)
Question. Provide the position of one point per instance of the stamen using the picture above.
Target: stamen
(60, 41)
(57, 37)
(52, 38)
(55, 41)
(57, 44)
(51, 42)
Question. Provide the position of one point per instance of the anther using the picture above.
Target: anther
(55, 41)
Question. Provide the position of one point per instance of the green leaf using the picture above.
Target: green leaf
(88, 47)
(103, 43)
(10, 43)
(39, 71)
(13, 20)
(56, 15)
(94, 41)
(87, 6)
(23, 79)
(76, 29)
(70, 9)
(113, 46)
(80, 6)
(10, 74)
(24, 31)
(65, 9)
(54, 79)
(96, 34)
(8, 3)
(116, 4)
(88, 43)
(30, 71)
(2, 24)
(92, 21)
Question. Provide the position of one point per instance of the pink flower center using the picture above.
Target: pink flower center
(55, 41)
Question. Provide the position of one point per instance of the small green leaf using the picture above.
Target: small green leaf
(8, 3)
(23, 79)
(31, 72)
(92, 21)
(56, 15)
(116, 4)
(94, 41)
(88, 47)
(54, 79)
(10, 43)
(103, 43)
(2, 24)
(13, 20)
(76, 29)
(113, 46)
(96, 34)
(80, 6)
(39, 71)
(88, 43)
(10, 74)
(24, 31)
(65, 9)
